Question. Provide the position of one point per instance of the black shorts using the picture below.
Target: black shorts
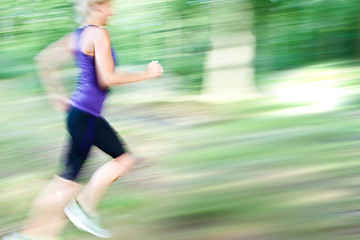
(87, 130)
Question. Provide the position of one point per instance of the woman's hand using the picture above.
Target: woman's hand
(154, 70)
(60, 103)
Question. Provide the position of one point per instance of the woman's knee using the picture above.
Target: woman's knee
(126, 160)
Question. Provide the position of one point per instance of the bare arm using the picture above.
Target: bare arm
(106, 72)
(48, 62)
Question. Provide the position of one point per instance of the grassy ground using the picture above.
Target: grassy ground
(206, 171)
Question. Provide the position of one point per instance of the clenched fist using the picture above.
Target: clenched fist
(154, 70)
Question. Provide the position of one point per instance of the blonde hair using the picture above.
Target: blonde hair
(84, 7)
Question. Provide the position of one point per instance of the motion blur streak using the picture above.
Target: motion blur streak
(252, 133)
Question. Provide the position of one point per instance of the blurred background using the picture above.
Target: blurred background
(252, 133)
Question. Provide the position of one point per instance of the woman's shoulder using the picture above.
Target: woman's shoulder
(100, 36)
(96, 32)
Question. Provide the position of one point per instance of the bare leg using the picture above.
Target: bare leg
(46, 217)
(102, 179)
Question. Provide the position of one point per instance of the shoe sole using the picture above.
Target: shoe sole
(79, 225)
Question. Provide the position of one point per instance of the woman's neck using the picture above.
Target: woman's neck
(91, 20)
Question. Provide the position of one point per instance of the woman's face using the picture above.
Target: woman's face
(106, 11)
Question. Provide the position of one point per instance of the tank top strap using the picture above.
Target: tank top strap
(78, 32)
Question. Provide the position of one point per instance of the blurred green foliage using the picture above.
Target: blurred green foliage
(295, 33)
(173, 31)
(289, 33)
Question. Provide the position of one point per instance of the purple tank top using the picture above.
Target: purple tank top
(88, 95)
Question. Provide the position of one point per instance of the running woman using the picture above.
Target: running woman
(91, 46)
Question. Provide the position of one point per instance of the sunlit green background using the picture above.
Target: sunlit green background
(252, 133)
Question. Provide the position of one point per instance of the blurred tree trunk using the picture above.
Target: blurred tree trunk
(229, 70)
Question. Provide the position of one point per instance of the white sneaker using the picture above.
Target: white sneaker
(84, 221)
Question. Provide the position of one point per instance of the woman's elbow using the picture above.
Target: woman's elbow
(42, 62)
(104, 86)
(39, 60)
(105, 83)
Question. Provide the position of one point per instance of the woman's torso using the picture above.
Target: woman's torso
(88, 95)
